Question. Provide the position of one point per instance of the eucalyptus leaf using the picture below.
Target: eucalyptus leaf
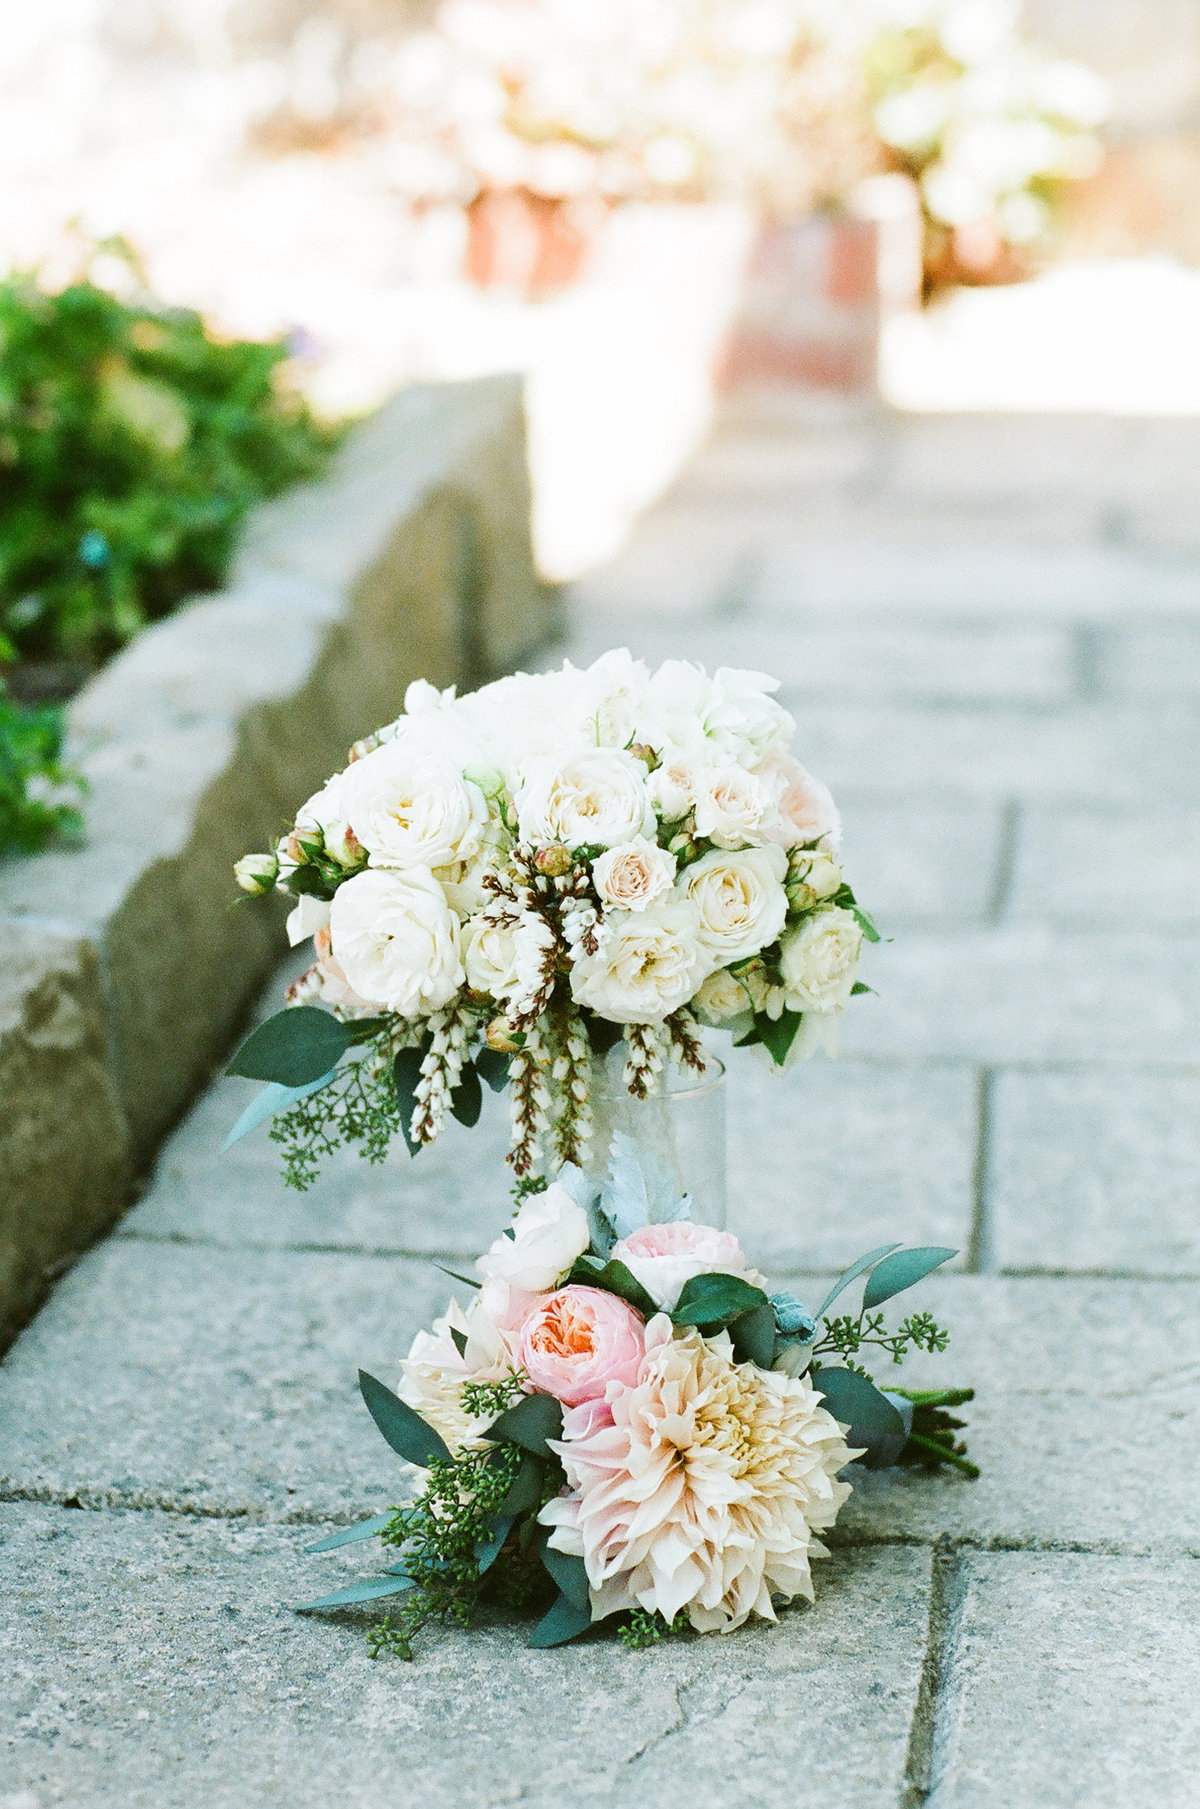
(369, 1590)
(406, 1072)
(563, 1622)
(459, 1340)
(713, 1301)
(273, 1098)
(530, 1423)
(466, 1101)
(403, 1428)
(488, 1550)
(901, 1271)
(882, 1449)
(855, 1400)
(492, 1067)
(526, 1491)
(753, 1336)
(852, 1274)
(570, 1573)
(294, 1047)
(365, 1529)
(615, 1278)
(455, 1276)
(637, 1191)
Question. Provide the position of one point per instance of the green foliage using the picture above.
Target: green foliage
(480, 1399)
(413, 1438)
(846, 1336)
(35, 788)
(358, 1105)
(132, 444)
(299, 1046)
(643, 1630)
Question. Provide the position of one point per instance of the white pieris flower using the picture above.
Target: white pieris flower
(598, 797)
(739, 899)
(411, 809)
(647, 965)
(820, 960)
(396, 940)
(634, 875)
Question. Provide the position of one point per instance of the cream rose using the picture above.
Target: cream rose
(597, 797)
(548, 1233)
(490, 957)
(730, 805)
(396, 940)
(802, 808)
(663, 1257)
(647, 965)
(634, 875)
(820, 960)
(740, 899)
(411, 809)
(722, 997)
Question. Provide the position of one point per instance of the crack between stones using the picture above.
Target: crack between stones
(934, 1717)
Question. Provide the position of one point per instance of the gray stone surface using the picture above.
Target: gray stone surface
(412, 559)
(925, 859)
(1070, 1681)
(1096, 1171)
(1102, 863)
(152, 1663)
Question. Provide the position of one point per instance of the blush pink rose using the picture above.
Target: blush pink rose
(804, 810)
(663, 1257)
(580, 1340)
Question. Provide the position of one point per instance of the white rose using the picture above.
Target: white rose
(722, 996)
(740, 899)
(634, 875)
(676, 784)
(801, 808)
(411, 809)
(647, 965)
(490, 957)
(599, 796)
(731, 714)
(730, 805)
(819, 961)
(309, 915)
(549, 1232)
(396, 940)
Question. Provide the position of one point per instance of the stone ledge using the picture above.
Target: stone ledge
(124, 971)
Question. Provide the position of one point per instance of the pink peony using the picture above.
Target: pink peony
(663, 1257)
(579, 1341)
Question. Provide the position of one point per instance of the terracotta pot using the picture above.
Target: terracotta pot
(534, 244)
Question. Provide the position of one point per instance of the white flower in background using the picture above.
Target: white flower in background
(490, 957)
(802, 809)
(663, 1257)
(548, 1233)
(705, 1491)
(740, 900)
(647, 965)
(722, 997)
(632, 876)
(820, 960)
(307, 917)
(730, 805)
(396, 940)
(598, 797)
(412, 809)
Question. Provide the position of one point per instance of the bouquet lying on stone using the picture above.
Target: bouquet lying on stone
(506, 886)
(626, 1423)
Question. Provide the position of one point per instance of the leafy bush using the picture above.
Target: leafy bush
(34, 788)
(132, 444)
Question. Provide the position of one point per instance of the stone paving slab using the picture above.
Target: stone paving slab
(924, 859)
(153, 1663)
(1071, 1682)
(1089, 862)
(1152, 661)
(1096, 1171)
(1029, 994)
(231, 1389)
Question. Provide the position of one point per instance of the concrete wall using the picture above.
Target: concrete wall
(123, 969)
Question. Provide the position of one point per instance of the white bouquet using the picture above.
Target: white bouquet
(503, 886)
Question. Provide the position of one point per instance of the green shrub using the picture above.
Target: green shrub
(132, 444)
(34, 788)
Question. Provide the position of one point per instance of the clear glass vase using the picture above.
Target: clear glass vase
(680, 1126)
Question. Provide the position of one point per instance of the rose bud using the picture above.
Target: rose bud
(553, 861)
(641, 750)
(257, 873)
(499, 1036)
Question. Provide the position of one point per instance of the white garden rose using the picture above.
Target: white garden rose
(647, 965)
(396, 940)
(548, 1233)
(722, 996)
(802, 809)
(632, 876)
(730, 805)
(739, 898)
(820, 960)
(490, 957)
(598, 796)
(676, 784)
(730, 715)
(413, 809)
